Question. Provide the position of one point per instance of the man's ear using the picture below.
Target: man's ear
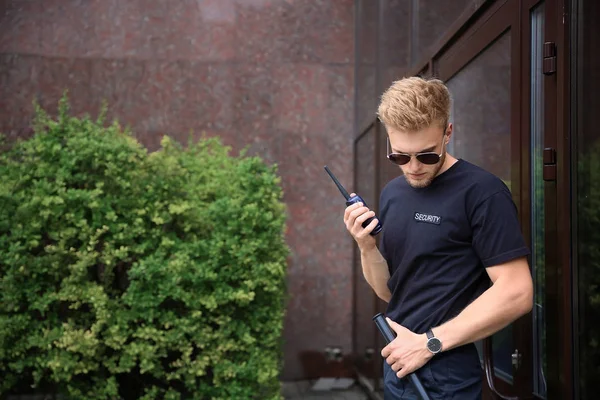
(449, 132)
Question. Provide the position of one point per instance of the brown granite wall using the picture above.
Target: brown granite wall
(273, 74)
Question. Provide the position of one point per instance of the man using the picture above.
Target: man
(449, 228)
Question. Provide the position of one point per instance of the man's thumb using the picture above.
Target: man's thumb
(393, 325)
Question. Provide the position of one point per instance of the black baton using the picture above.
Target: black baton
(389, 335)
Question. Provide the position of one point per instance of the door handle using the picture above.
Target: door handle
(488, 366)
(516, 359)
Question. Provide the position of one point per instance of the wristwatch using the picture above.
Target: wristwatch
(434, 345)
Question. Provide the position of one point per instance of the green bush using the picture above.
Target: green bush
(131, 275)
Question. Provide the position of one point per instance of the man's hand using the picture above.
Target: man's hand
(374, 266)
(354, 216)
(408, 352)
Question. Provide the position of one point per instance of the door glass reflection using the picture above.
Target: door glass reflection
(537, 199)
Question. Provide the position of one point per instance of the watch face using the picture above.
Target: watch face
(434, 345)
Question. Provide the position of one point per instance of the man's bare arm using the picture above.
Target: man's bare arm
(375, 270)
(374, 266)
(509, 297)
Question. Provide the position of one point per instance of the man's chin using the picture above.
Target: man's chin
(418, 183)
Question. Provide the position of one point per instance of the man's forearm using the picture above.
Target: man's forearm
(375, 270)
(493, 310)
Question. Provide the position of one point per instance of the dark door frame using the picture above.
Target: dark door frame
(473, 31)
(558, 195)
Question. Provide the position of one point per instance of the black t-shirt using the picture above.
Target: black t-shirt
(438, 240)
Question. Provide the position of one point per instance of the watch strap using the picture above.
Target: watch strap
(429, 334)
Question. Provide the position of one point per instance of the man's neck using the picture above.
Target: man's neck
(448, 162)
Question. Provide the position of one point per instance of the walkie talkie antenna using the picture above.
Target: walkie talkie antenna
(337, 183)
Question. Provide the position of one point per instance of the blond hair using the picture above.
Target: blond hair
(415, 103)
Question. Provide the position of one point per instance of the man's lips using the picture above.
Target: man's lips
(417, 176)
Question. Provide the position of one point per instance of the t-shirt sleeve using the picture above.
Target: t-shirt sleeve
(497, 236)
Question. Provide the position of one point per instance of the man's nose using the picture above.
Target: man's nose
(414, 164)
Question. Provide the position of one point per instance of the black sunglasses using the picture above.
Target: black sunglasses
(428, 157)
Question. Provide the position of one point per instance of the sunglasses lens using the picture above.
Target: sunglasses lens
(399, 159)
(428, 158)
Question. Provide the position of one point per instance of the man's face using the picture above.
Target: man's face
(430, 139)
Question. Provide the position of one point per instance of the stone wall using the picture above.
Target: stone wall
(275, 75)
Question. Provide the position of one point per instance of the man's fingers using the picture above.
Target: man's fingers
(349, 217)
(362, 218)
(371, 225)
(386, 351)
(404, 371)
(367, 230)
(351, 208)
(357, 212)
(353, 223)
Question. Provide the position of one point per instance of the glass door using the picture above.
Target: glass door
(548, 183)
(553, 363)
(538, 227)
(502, 76)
